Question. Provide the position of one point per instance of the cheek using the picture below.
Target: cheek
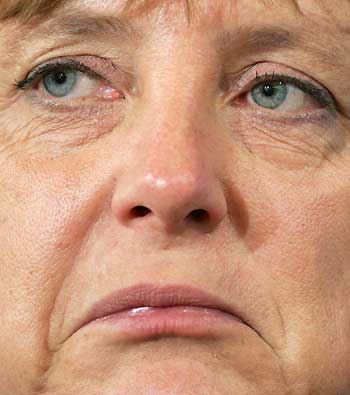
(310, 277)
(45, 213)
(290, 144)
(310, 239)
(54, 205)
(319, 228)
(302, 264)
(305, 264)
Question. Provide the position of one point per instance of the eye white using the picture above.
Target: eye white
(295, 100)
(84, 86)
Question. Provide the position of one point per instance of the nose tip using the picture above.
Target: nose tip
(173, 203)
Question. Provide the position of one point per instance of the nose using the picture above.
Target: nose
(169, 185)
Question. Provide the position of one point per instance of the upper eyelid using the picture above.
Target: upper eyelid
(304, 85)
(49, 66)
(319, 93)
(299, 83)
(296, 76)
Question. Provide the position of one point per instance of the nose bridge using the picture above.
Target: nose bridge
(170, 179)
(182, 74)
(175, 121)
(170, 174)
(173, 137)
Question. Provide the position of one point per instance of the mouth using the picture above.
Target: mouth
(146, 311)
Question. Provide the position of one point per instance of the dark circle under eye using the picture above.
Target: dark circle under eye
(60, 83)
(270, 95)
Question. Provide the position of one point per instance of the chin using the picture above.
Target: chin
(92, 365)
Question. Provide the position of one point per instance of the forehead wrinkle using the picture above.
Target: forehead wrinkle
(271, 4)
(27, 10)
(141, 6)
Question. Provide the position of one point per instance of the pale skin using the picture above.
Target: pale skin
(176, 130)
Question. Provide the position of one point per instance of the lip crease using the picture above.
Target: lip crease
(151, 296)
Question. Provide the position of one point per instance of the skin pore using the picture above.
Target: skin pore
(165, 112)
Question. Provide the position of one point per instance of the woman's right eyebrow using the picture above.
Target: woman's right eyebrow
(65, 28)
(86, 26)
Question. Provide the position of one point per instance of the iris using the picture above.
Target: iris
(270, 95)
(60, 83)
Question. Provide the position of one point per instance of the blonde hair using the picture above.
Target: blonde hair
(27, 9)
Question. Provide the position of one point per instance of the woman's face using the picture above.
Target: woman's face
(204, 149)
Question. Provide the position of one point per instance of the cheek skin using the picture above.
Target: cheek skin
(59, 200)
(59, 204)
(311, 259)
(46, 215)
(289, 145)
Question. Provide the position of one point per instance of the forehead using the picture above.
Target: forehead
(317, 7)
(337, 10)
(306, 18)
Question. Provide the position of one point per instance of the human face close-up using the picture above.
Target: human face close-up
(175, 197)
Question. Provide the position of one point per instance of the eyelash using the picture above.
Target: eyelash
(29, 81)
(322, 96)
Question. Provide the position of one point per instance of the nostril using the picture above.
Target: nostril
(198, 215)
(140, 211)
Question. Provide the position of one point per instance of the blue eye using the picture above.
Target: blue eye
(270, 95)
(60, 82)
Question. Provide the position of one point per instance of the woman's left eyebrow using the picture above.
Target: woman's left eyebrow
(257, 39)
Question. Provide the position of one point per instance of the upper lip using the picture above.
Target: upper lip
(150, 295)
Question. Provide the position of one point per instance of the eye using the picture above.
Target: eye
(281, 96)
(68, 79)
(68, 83)
(270, 95)
(288, 91)
(60, 83)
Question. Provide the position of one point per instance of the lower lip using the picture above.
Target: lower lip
(188, 321)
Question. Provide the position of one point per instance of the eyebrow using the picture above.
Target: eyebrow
(87, 26)
(71, 27)
(258, 39)
(267, 39)
(119, 30)
(255, 39)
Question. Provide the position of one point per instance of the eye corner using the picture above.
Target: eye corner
(19, 85)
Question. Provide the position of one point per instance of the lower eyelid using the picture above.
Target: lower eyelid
(284, 120)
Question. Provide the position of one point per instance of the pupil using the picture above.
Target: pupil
(268, 90)
(60, 77)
